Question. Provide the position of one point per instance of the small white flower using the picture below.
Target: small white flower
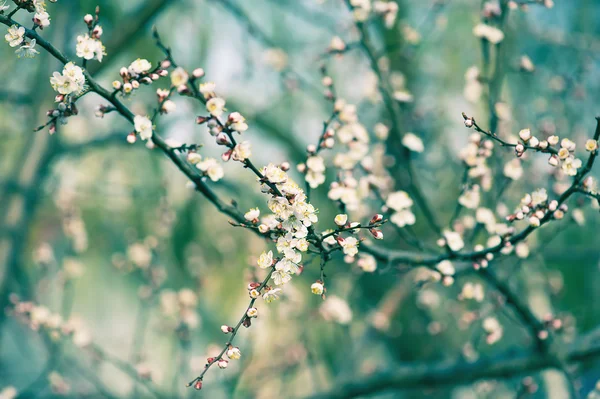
(271, 295)
(139, 67)
(399, 200)
(446, 268)
(570, 166)
(143, 125)
(350, 246)
(454, 240)
(367, 263)
(72, 80)
(215, 106)
(89, 48)
(341, 219)
(591, 145)
(265, 260)
(234, 353)
(242, 151)
(212, 168)
(179, 77)
(281, 277)
(317, 288)
(538, 197)
(27, 50)
(15, 34)
(274, 174)
(553, 140)
(525, 134)
(413, 142)
(42, 19)
(403, 218)
(252, 313)
(336, 309)
(168, 107)
(252, 214)
(207, 89)
(522, 250)
(568, 144)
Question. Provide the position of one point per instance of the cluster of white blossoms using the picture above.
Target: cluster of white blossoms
(535, 206)
(90, 47)
(475, 155)
(354, 138)
(289, 223)
(71, 81)
(137, 73)
(400, 203)
(16, 37)
(214, 105)
(39, 317)
(210, 167)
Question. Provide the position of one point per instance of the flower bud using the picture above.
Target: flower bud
(377, 234)
(88, 18)
(376, 219)
(165, 64)
(341, 219)
(525, 134)
(553, 160)
(131, 138)
(198, 73)
(198, 385)
(226, 329)
(222, 363)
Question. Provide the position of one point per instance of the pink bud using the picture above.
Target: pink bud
(226, 155)
(377, 234)
(222, 139)
(131, 138)
(377, 218)
(165, 64)
(198, 73)
(198, 385)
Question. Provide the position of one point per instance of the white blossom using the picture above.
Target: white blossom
(89, 48)
(15, 35)
(216, 106)
(143, 126)
(413, 142)
(212, 168)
